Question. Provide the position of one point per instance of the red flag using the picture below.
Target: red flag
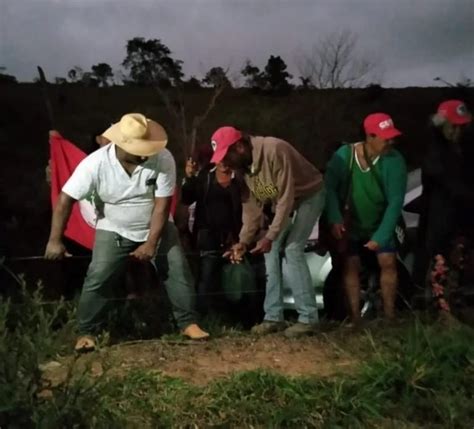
(65, 157)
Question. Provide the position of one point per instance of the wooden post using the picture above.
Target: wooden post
(47, 100)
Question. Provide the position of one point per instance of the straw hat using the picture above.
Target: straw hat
(137, 135)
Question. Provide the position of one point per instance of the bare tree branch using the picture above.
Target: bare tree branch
(198, 120)
(179, 115)
(334, 62)
(165, 98)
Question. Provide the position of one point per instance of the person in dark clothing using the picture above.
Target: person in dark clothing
(217, 223)
(448, 195)
(184, 216)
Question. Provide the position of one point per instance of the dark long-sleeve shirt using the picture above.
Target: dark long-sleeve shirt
(218, 209)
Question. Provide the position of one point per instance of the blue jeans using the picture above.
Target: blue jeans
(209, 284)
(291, 241)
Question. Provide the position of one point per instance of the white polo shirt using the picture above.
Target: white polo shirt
(126, 202)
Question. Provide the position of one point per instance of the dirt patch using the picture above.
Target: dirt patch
(200, 363)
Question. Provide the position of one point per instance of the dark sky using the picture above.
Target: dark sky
(413, 41)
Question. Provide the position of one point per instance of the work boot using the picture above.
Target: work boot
(194, 332)
(267, 327)
(299, 329)
(85, 344)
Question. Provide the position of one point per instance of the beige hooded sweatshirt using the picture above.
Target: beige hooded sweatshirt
(280, 175)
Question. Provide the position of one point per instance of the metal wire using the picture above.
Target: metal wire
(146, 297)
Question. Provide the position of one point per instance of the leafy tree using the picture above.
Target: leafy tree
(75, 74)
(6, 78)
(192, 83)
(276, 75)
(216, 76)
(149, 63)
(305, 83)
(254, 78)
(89, 80)
(103, 73)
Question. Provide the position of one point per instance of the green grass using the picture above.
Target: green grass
(414, 375)
(424, 379)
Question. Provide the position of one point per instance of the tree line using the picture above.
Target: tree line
(333, 62)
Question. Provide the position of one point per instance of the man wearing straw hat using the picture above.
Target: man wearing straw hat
(133, 177)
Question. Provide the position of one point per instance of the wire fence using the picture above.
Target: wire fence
(133, 296)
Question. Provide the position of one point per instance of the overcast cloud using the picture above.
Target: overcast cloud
(413, 40)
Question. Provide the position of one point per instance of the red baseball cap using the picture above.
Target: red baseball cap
(455, 111)
(221, 140)
(381, 125)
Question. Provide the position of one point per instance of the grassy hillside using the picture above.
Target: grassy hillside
(410, 375)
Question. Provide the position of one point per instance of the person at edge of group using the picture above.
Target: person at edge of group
(217, 223)
(134, 177)
(447, 176)
(276, 173)
(374, 175)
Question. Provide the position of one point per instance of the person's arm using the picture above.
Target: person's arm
(251, 219)
(336, 173)
(165, 184)
(78, 187)
(55, 248)
(159, 218)
(189, 187)
(189, 190)
(395, 184)
(286, 193)
(252, 213)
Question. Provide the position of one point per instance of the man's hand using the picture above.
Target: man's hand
(191, 168)
(338, 230)
(372, 245)
(55, 250)
(236, 253)
(145, 252)
(263, 246)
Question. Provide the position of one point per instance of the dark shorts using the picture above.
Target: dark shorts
(356, 248)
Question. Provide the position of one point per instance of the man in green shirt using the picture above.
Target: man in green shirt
(369, 176)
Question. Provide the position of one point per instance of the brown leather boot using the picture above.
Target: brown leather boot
(194, 332)
(299, 329)
(268, 327)
(85, 344)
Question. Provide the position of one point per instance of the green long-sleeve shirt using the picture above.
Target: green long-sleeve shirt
(393, 173)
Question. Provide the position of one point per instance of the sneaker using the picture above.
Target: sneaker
(267, 327)
(299, 329)
(194, 332)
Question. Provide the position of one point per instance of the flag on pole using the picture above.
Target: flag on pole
(65, 157)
